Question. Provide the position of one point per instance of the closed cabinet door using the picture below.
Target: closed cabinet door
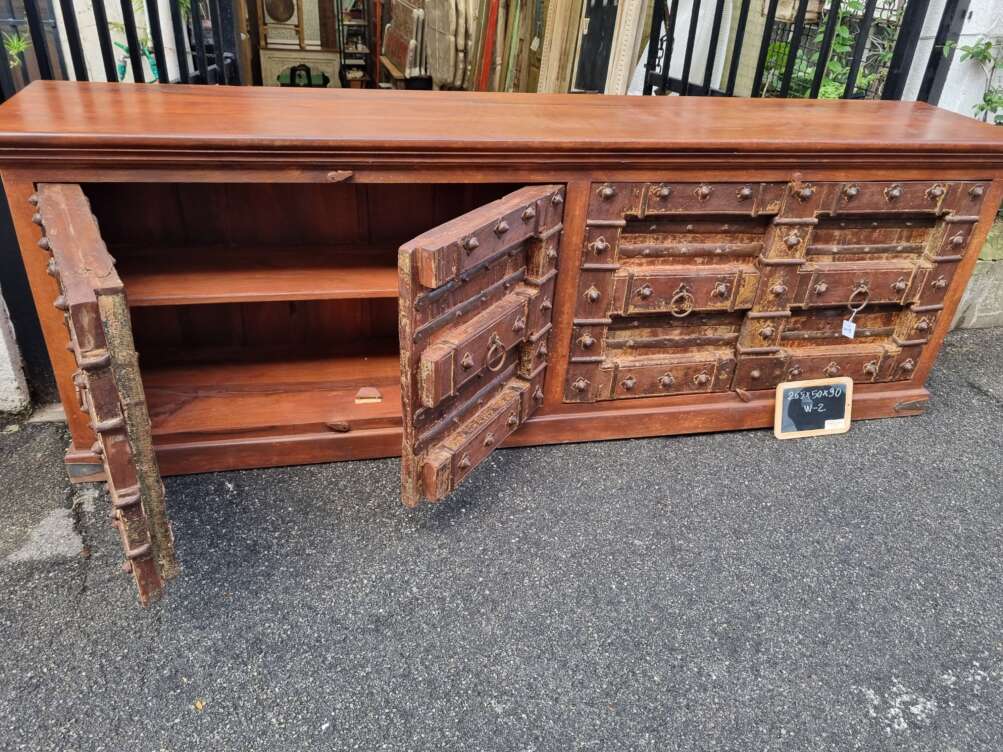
(476, 297)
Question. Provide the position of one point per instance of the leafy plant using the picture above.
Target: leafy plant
(15, 45)
(987, 53)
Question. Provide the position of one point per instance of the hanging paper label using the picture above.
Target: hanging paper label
(849, 328)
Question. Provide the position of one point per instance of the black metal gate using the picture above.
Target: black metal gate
(850, 49)
(202, 31)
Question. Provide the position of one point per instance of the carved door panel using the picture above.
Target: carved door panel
(706, 286)
(108, 384)
(475, 309)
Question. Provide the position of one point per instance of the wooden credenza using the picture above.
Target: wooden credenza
(232, 278)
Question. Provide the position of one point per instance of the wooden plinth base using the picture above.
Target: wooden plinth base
(566, 424)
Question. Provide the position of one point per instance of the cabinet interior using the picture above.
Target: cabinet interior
(264, 309)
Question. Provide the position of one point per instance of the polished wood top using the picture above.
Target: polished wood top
(151, 117)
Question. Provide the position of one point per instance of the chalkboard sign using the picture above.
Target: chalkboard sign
(813, 408)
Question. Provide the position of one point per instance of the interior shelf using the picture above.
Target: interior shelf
(181, 276)
(273, 392)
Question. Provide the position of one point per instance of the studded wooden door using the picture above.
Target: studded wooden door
(476, 297)
(711, 287)
(108, 384)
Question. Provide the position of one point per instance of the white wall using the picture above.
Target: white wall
(13, 390)
(965, 80)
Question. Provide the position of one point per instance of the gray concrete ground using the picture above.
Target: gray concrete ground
(719, 592)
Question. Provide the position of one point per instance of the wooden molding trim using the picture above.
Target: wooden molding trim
(629, 22)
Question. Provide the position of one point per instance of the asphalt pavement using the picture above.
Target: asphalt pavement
(713, 592)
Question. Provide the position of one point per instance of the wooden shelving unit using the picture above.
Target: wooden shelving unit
(206, 275)
(355, 43)
(261, 311)
(216, 395)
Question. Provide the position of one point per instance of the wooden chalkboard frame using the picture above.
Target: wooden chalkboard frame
(787, 385)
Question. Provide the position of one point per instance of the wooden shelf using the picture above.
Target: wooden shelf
(181, 276)
(244, 394)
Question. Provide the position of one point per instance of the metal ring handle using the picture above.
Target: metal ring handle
(681, 304)
(496, 348)
(859, 290)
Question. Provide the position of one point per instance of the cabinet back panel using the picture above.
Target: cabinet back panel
(169, 332)
(277, 214)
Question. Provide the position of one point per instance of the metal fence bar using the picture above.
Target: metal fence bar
(670, 34)
(73, 39)
(938, 65)
(825, 49)
(793, 48)
(905, 49)
(177, 28)
(38, 41)
(132, 40)
(736, 53)
(863, 32)
(715, 31)
(200, 58)
(764, 48)
(657, 19)
(7, 86)
(231, 43)
(690, 38)
(217, 42)
(157, 35)
(104, 40)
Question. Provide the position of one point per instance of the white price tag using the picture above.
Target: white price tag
(849, 328)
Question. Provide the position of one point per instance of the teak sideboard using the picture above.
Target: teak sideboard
(233, 278)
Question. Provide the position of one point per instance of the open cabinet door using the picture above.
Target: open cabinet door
(108, 382)
(476, 297)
